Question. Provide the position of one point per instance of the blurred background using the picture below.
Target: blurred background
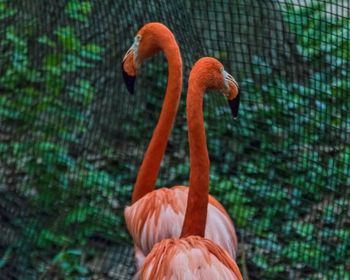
(72, 138)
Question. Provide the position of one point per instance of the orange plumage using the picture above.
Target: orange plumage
(158, 214)
(193, 256)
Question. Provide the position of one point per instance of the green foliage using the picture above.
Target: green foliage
(79, 10)
(282, 175)
(50, 115)
(284, 178)
(303, 151)
(69, 261)
(5, 10)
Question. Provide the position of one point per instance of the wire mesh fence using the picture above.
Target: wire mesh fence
(72, 139)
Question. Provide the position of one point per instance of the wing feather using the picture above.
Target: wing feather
(159, 215)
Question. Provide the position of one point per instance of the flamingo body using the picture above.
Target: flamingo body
(192, 257)
(160, 215)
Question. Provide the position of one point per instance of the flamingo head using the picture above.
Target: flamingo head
(147, 43)
(213, 76)
(231, 91)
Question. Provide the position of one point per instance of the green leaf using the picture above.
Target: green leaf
(68, 38)
(80, 215)
(304, 229)
(92, 51)
(6, 11)
(78, 10)
(5, 258)
(260, 261)
(82, 92)
(46, 41)
(47, 237)
(81, 269)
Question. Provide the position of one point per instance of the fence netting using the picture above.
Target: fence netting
(72, 138)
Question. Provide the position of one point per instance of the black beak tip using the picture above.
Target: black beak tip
(234, 105)
(129, 80)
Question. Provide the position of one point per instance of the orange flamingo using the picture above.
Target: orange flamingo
(193, 256)
(159, 214)
(150, 40)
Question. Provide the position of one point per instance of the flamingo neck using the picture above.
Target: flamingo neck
(197, 202)
(149, 169)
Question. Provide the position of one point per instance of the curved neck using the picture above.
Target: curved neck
(197, 202)
(149, 169)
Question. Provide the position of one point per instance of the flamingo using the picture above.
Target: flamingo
(155, 215)
(151, 39)
(192, 256)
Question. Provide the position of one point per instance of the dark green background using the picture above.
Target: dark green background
(71, 138)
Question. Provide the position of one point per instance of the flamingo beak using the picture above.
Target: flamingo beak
(234, 105)
(129, 80)
(233, 94)
(129, 70)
